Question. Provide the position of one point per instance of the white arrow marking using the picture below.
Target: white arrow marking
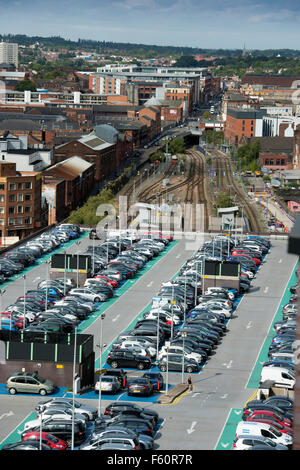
(116, 318)
(266, 290)
(10, 413)
(249, 325)
(195, 394)
(228, 366)
(36, 279)
(280, 261)
(224, 396)
(150, 284)
(191, 429)
(225, 445)
(178, 256)
(237, 412)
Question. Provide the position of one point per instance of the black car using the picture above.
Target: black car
(25, 445)
(156, 378)
(62, 429)
(175, 363)
(140, 386)
(116, 407)
(139, 425)
(117, 358)
(120, 374)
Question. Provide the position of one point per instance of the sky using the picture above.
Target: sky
(224, 24)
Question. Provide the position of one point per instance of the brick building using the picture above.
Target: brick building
(20, 201)
(79, 177)
(243, 123)
(53, 193)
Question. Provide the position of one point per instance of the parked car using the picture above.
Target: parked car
(49, 439)
(140, 386)
(23, 382)
(120, 358)
(109, 384)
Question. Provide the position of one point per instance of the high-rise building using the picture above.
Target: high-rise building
(9, 53)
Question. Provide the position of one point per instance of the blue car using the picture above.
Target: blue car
(8, 324)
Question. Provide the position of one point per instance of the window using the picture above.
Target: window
(28, 185)
(1, 221)
(27, 208)
(27, 220)
(19, 220)
(11, 221)
(11, 198)
(11, 209)
(20, 197)
(282, 161)
(2, 186)
(12, 186)
(27, 197)
(2, 210)
(20, 185)
(20, 209)
(271, 162)
(2, 198)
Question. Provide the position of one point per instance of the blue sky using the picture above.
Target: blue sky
(260, 24)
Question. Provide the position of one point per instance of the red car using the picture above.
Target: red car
(248, 252)
(19, 321)
(112, 282)
(49, 439)
(266, 414)
(257, 261)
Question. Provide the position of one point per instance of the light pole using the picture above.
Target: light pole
(172, 325)
(47, 277)
(77, 264)
(167, 368)
(41, 410)
(102, 316)
(73, 399)
(183, 335)
(65, 273)
(24, 294)
(2, 291)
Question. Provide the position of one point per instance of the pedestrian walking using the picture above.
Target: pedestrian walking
(190, 383)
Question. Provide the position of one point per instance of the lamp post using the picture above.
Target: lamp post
(24, 294)
(65, 273)
(183, 335)
(167, 369)
(77, 264)
(47, 277)
(73, 399)
(157, 337)
(2, 291)
(102, 316)
(41, 410)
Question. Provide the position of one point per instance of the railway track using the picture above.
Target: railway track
(223, 168)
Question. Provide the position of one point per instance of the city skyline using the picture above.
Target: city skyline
(261, 24)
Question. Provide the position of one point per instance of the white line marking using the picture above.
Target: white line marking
(191, 429)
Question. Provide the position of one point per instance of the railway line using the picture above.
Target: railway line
(223, 169)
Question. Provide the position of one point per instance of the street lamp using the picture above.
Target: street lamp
(74, 378)
(77, 274)
(168, 343)
(102, 316)
(2, 291)
(183, 335)
(65, 273)
(24, 294)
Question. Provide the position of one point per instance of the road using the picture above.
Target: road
(197, 419)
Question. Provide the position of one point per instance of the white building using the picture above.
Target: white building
(9, 53)
(15, 150)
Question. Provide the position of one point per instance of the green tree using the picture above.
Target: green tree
(25, 85)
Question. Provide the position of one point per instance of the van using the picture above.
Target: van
(263, 430)
(282, 377)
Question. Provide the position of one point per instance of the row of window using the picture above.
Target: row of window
(14, 186)
(13, 209)
(17, 221)
(278, 162)
(16, 197)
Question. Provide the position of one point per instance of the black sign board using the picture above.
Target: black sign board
(69, 261)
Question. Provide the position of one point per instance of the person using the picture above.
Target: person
(190, 383)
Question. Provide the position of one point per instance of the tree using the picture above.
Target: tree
(25, 85)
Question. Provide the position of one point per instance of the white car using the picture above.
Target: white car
(244, 442)
(108, 384)
(143, 349)
(87, 293)
(154, 315)
(177, 349)
(209, 290)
